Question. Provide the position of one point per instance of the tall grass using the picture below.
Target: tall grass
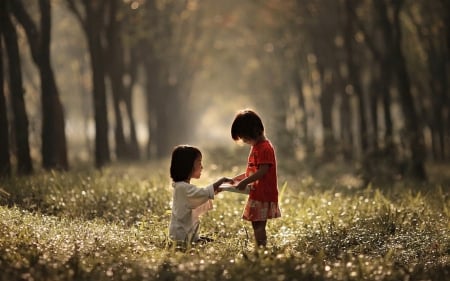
(112, 225)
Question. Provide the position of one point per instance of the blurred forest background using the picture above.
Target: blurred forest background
(356, 82)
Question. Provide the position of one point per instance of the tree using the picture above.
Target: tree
(54, 147)
(414, 136)
(116, 66)
(384, 41)
(429, 29)
(5, 163)
(24, 165)
(172, 58)
(91, 15)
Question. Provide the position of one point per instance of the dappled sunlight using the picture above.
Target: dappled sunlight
(214, 111)
(350, 181)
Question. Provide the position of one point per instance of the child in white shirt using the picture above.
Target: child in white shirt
(189, 201)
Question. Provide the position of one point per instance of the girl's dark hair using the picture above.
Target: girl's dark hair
(182, 163)
(247, 124)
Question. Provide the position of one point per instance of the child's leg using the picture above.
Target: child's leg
(259, 228)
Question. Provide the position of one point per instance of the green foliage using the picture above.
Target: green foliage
(112, 225)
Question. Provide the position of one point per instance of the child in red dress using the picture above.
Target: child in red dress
(261, 173)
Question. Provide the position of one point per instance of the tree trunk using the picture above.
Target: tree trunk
(93, 28)
(434, 45)
(346, 127)
(115, 72)
(24, 165)
(326, 101)
(5, 162)
(54, 147)
(414, 136)
(102, 152)
(446, 5)
(128, 93)
(297, 80)
(166, 113)
(151, 89)
(373, 113)
(92, 22)
(386, 98)
(383, 78)
(170, 126)
(353, 77)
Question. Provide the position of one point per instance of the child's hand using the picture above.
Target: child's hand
(217, 184)
(226, 179)
(241, 186)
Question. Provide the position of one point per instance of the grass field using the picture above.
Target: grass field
(112, 225)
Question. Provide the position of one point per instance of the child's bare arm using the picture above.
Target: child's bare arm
(262, 170)
(239, 177)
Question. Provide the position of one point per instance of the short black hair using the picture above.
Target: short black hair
(182, 162)
(247, 124)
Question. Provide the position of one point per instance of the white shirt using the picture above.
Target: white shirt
(188, 203)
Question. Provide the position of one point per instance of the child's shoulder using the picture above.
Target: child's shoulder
(178, 184)
(265, 144)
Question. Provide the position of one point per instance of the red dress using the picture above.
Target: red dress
(262, 203)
